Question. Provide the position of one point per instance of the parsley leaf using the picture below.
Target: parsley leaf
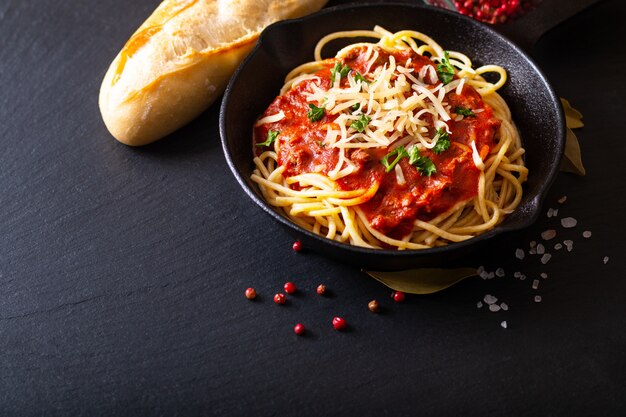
(340, 69)
(424, 164)
(443, 143)
(399, 152)
(321, 144)
(316, 113)
(359, 77)
(464, 112)
(445, 70)
(271, 137)
(355, 106)
(360, 124)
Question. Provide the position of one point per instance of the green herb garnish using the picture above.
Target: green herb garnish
(316, 113)
(464, 111)
(424, 164)
(443, 143)
(321, 144)
(355, 106)
(271, 137)
(359, 77)
(360, 124)
(340, 69)
(399, 152)
(445, 70)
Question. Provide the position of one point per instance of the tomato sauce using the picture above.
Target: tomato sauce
(394, 208)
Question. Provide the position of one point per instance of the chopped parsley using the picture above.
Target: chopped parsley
(315, 114)
(360, 124)
(271, 137)
(399, 153)
(359, 77)
(340, 69)
(464, 111)
(355, 106)
(445, 70)
(424, 164)
(443, 143)
(321, 144)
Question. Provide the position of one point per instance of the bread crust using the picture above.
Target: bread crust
(179, 61)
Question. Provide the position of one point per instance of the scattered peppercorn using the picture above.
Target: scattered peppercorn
(297, 246)
(339, 323)
(280, 298)
(373, 306)
(494, 11)
(299, 329)
(250, 293)
(398, 296)
(321, 289)
(290, 287)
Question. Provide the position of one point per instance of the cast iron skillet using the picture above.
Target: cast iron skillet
(283, 46)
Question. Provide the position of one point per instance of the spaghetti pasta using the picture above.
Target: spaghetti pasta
(393, 144)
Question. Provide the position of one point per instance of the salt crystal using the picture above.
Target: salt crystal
(532, 251)
(548, 234)
(569, 244)
(537, 298)
(555, 212)
(568, 222)
(503, 324)
(484, 275)
(490, 299)
(479, 304)
(491, 275)
(550, 212)
(500, 272)
(480, 270)
(545, 258)
(519, 253)
(494, 308)
(522, 277)
(504, 306)
(517, 274)
(586, 234)
(541, 249)
(533, 243)
(543, 275)
(535, 284)
(605, 260)
(562, 199)
(558, 246)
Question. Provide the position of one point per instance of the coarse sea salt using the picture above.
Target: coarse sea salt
(548, 234)
(503, 324)
(543, 275)
(519, 253)
(569, 244)
(494, 308)
(545, 258)
(500, 272)
(479, 304)
(562, 199)
(568, 222)
(537, 298)
(504, 306)
(541, 249)
(535, 284)
(586, 234)
(605, 260)
(490, 299)
(558, 246)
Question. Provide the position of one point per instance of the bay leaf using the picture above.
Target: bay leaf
(422, 281)
(572, 158)
(572, 116)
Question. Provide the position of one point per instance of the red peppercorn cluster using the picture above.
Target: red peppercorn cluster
(495, 11)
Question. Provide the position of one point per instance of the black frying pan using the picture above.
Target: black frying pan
(283, 46)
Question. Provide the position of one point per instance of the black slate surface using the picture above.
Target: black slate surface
(122, 270)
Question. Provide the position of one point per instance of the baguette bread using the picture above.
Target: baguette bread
(180, 60)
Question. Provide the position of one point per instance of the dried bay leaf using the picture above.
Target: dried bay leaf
(573, 159)
(572, 116)
(422, 281)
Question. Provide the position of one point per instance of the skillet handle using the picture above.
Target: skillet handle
(528, 29)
